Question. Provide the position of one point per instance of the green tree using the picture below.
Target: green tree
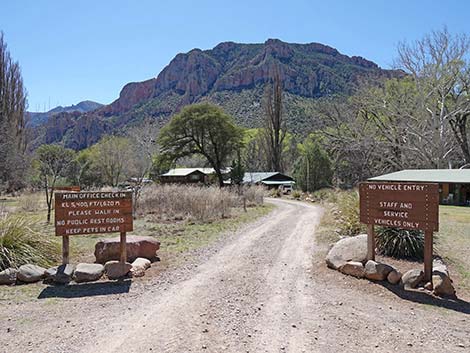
(313, 168)
(53, 163)
(202, 129)
(112, 156)
(238, 170)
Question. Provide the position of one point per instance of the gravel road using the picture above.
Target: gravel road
(262, 289)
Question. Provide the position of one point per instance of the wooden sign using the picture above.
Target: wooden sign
(93, 213)
(67, 188)
(400, 205)
(404, 206)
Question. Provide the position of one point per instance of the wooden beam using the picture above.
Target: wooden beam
(65, 249)
(370, 242)
(428, 240)
(123, 247)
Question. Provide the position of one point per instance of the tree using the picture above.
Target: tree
(440, 67)
(202, 129)
(143, 147)
(274, 124)
(112, 155)
(313, 168)
(13, 119)
(54, 160)
(237, 172)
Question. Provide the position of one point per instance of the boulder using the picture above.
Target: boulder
(439, 265)
(116, 269)
(137, 246)
(442, 284)
(394, 276)
(412, 278)
(347, 249)
(31, 273)
(8, 276)
(353, 268)
(139, 266)
(59, 274)
(377, 271)
(88, 272)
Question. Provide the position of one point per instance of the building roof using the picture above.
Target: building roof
(278, 182)
(256, 177)
(187, 171)
(460, 176)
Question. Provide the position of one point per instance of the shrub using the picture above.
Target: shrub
(20, 244)
(400, 243)
(254, 195)
(198, 203)
(296, 194)
(32, 202)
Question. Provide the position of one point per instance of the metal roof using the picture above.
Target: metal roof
(460, 176)
(277, 182)
(187, 171)
(256, 177)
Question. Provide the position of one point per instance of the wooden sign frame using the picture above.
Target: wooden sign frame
(81, 213)
(401, 205)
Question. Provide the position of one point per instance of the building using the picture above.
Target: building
(454, 184)
(269, 179)
(191, 175)
(184, 176)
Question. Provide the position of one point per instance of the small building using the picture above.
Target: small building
(269, 179)
(184, 176)
(192, 175)
(454, 184)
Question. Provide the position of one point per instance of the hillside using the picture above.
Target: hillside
(38, 118)
(231, 75)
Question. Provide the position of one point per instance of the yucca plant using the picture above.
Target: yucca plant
(20, 244)
(400, 243)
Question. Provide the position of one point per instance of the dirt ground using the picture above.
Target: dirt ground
(264, 288)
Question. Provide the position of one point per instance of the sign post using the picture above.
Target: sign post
(93, 213)
(413, 206)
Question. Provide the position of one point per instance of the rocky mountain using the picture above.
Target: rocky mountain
(231, 75)
(38, 118)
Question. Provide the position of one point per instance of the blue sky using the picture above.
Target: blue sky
(75, 50)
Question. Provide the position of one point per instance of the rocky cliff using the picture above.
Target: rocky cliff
(232, 75)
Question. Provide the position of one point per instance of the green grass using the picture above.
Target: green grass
(454, 241)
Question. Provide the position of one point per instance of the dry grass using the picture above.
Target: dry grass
(185, 202)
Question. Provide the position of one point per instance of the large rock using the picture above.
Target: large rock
(137, 246)
(59, 274)
(353, 268)
(31, 273)
(88, 272)
(394, 276)
(377, 271)
(440, 266)
(412, 278)
(116, 269)
(8, 276)
(139, 266)
(347, 249)
(442, 284)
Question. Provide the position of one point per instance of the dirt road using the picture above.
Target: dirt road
(258, 290)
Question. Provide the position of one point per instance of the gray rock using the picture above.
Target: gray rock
(394, 276)
(139, 266)
(8, 276)
(347, 249)
(31, 273)
(116, 269)
(137, 246)
(353, 268)
(412, 278)
(439, 265)
(377, 271)
(88, 272)
(442, 284)
(59, 274)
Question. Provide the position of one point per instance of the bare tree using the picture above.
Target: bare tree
(274, 124)
(12, 120)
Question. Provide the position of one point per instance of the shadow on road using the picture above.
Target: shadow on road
(416, 296)
(86, 289)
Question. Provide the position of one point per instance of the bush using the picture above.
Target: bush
(400, 243)
(296, 194)
(198, 203)
(32, 202)
(254, 195)
(20, 244)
